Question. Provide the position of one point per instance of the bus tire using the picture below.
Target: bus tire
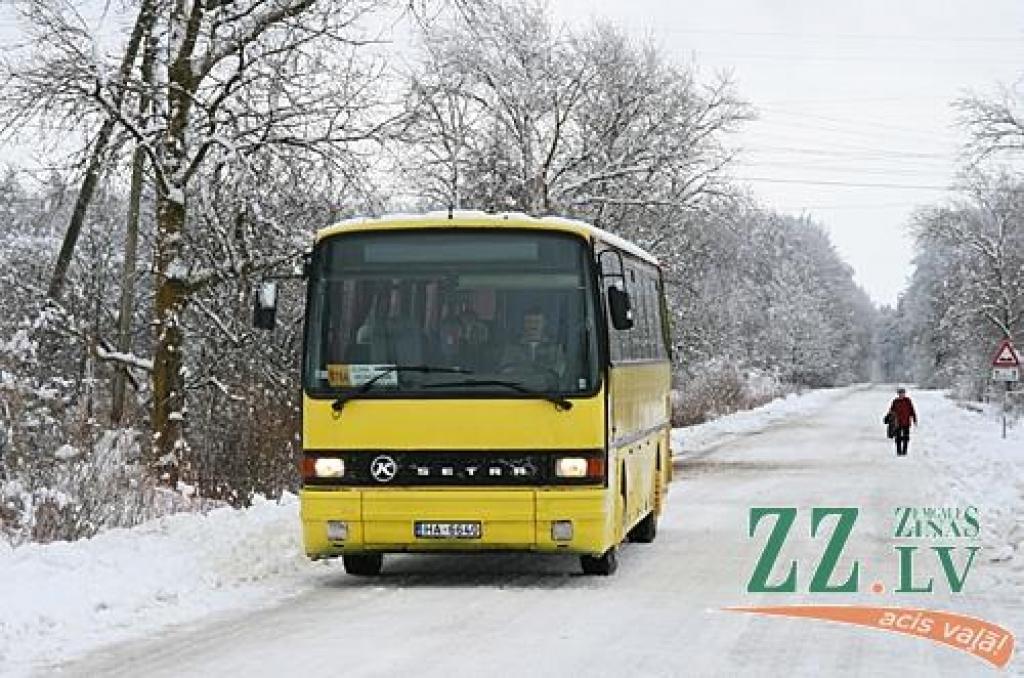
(646, 530)
(363, 564)
(603, 565)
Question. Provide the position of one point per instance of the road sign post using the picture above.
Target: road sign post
(1006, 369)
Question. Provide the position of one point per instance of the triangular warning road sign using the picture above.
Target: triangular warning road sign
(1006, 356)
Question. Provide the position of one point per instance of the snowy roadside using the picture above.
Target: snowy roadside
(63, 599)
(694, 440)
(978, 468)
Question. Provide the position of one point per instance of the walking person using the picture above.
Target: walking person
(902, 412)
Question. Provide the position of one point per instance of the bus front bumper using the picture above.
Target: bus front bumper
(353, 520)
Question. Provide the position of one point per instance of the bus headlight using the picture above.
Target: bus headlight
(329, 467)
(590, 467)
(561, 530)
(337, 530)
(571, 467)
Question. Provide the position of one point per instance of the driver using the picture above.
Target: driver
(534, 348)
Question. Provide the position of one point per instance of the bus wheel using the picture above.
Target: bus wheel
(363, 564)
(646, 530)
(604, 564)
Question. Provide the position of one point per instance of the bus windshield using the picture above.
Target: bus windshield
(490, 313)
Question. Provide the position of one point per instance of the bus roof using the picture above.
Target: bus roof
(478, 219)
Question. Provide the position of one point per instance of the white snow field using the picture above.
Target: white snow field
(229, 593)
(696, 440)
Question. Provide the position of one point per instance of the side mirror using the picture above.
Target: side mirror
(619, 308)
(264, 310)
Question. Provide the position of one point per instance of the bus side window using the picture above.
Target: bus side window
(656, 328)
(646, 340)
(627, 345)
(616, 342)
(654, 318)
(639, 338)
(640, 343)
(645, 323)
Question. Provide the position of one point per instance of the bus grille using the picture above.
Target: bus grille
(437, 468)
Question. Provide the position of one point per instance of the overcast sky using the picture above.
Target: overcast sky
(854, 127)
(851, 95)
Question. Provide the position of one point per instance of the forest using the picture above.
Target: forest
(202, 154)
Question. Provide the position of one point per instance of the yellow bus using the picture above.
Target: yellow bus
(479, 381)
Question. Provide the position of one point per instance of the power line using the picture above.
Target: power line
(847, 130)
(864, 206)
(895, 171)
(826, 153)
(803, 58)
(856, 99)
(846, 161)
(794, 153)
(825, 134)
(856, 36)
(848, 184)
(847, 122)
(844, 149)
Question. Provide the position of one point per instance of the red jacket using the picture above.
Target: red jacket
(903, 410)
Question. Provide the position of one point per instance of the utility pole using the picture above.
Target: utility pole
(127, 305)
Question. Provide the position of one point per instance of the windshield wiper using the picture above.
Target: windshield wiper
(561, 404)
(340, 401)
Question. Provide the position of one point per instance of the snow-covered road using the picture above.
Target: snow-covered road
(661, 614)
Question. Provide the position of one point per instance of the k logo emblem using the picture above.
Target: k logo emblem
(383, 468)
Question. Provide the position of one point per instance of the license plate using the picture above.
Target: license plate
(425, 530)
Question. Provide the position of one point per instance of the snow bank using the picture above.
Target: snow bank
(64, 599)
(978, 467)
(61, 599)
(690, 440)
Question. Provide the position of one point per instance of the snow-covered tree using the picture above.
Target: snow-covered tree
(234, 87)
(967, 292)
(217, 136)
(517, 113)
